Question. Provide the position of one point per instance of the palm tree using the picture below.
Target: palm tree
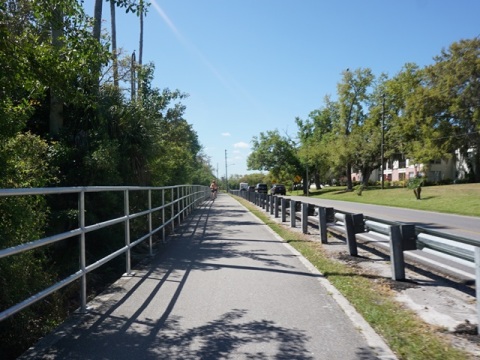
(140, 49)
(114, 44)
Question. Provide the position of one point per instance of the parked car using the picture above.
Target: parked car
(261, 188)
(278, 189)
(251, 188)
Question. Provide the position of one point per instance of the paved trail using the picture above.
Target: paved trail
(225, 288)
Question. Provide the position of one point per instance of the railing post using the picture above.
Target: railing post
(350, 231)
(305, 218)
(293, 218)
(126, 201)
(83, 280)
(183, 204)
(396, 253)
(267, 203)
(272, 203)
(322, 224)
(191, 200)
(172, 209)
(150, 240)
(163, 215)
(179, 205)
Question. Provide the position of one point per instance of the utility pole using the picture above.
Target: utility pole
(383, 141)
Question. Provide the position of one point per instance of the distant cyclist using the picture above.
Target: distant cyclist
(214, 189)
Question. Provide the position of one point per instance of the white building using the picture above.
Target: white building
(399, 169)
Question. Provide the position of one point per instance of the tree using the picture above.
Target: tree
(314, 134)
(113, 20)
(366, 138)
(401, 129)
(453, 84)
(276, 154)
(352, 98)
(129, 6)
(24, 163)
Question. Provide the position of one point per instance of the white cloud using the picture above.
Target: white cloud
(226, 134)
(241, 145)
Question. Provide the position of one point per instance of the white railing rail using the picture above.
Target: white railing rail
(183, 199)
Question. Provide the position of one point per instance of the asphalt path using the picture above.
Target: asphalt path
(225, 287)
(464, 226)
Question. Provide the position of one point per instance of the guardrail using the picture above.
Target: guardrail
(182, 200)
(400, 237)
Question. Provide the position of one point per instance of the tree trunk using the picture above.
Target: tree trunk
(97, 22)
(97, 30)
(114, 44)
(140, 47)
(317, 179)
(133, 77)
(349, 177)
(365, 176)
(417, 193)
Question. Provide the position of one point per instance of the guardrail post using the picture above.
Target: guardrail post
(396, 253)
(284, 209)
(272, 203)
(322, 224)
(83, 280)
(293, 218)
(305, 218)
(276, 202)
(351, 230)
(267, 203)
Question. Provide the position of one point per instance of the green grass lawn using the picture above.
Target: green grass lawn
(462, 199)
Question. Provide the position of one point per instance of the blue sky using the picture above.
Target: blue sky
(255, 65)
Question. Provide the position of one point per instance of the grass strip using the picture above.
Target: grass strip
(407, 335)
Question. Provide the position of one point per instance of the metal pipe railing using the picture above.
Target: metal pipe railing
(188, 197)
